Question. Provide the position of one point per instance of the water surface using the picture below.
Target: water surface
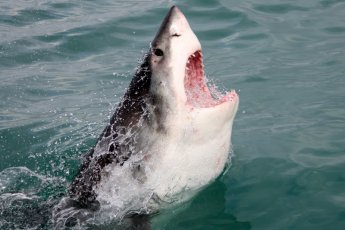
(64, 66)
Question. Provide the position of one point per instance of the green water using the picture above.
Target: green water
(64, 66)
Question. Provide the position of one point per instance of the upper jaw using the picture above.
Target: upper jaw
(177, 42)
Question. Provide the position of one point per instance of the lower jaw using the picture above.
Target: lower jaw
(207, 101)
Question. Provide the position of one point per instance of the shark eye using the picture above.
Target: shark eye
(158, 52)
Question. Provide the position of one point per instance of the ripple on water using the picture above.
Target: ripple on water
(278, 8)
(26, 195)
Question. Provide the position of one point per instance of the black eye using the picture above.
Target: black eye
(176, 35)
(158, 52)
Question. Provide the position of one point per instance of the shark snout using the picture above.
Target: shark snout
(175, 24)
(178, 23)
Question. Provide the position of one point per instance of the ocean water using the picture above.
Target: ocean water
(64, 65)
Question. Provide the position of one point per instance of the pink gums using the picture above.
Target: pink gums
(197, 92)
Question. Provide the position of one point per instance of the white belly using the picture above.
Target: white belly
(172, 168)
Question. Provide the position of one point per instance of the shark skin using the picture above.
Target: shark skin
(169, 136)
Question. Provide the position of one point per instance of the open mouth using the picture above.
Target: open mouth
(196, 89)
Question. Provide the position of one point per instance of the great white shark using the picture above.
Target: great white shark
(169, 136)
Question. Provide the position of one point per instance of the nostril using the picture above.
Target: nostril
(158, 52)
(176, 35)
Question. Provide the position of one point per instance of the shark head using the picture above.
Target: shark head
(177, 71)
